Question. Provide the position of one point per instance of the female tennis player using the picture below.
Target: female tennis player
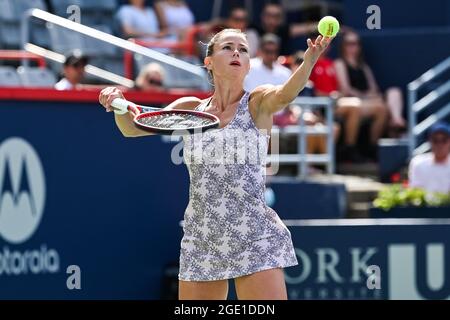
(229, 231)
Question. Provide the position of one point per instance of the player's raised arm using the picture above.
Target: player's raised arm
(275, 98)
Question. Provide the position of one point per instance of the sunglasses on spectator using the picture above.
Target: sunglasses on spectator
(443, 140)
(351, 43)
(155, 82)
(273, 14)
(239, 18)
(271, 52)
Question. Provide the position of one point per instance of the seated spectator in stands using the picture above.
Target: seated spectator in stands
(348, 109)
(151, 78)
(175, 16)
(356, 79)
(139, 21)
(288, 144)
(266, 69)
(431, 171)
(272, 22)
(73, 71)
(238, 19)
(316, 143)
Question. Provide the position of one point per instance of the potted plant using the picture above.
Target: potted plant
(401, 201)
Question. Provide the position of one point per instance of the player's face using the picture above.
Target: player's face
(230, 58)
(440, 145)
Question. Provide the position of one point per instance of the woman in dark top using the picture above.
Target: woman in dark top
(357, 80)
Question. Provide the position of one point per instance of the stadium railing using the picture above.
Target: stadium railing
(302, 159)
(187, 47)
(21, 54)
(417, 106)
(99, 35)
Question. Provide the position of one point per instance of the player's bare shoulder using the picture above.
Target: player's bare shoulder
(186, 103)
(257, 95)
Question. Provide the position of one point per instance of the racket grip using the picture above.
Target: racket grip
(120, 106)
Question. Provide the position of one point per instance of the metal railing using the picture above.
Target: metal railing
(187, 47)
(99, 35)
(416, 128)
(20, 55)
(302, 159)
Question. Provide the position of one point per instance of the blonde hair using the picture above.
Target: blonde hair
(151, 67)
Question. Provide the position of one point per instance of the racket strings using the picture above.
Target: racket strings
(175, 121)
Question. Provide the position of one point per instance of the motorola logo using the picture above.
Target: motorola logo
(22, 201)
(22, 190)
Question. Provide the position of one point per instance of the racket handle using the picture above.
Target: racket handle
(120, 106)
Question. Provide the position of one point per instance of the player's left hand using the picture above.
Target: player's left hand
(316, 48)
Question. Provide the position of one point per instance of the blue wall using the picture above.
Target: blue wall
(334, 256)
(110, 206)
(399, 13)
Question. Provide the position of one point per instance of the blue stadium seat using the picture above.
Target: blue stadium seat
(60, 6)
(23, 5)
(114, 65)
(11, 12)
(9, 38)
(102, 48)
(9, 77)
(39, 34)
(36, 77)
(63, 40)
(7, 11)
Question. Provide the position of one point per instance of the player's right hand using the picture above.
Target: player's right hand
(107, 95)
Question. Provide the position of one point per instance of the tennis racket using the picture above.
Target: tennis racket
(167, 122)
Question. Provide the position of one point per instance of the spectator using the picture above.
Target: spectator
(431, 171)
(356, 79)
(238, 19)
(175, 16)
(73, 71)
(272, 22)
(315, 143)
(151, 78)
(265, 69)
(139, 21)
(348, 109)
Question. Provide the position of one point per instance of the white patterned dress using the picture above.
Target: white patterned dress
(229, 231)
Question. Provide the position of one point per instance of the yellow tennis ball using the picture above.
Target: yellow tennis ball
(328, 26)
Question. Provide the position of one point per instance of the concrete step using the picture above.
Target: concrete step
(358, 210)
(361, 191)
(368, 169)
(361, 196)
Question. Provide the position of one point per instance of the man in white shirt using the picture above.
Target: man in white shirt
(431, 171)
(265, 69)
(73, 71)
